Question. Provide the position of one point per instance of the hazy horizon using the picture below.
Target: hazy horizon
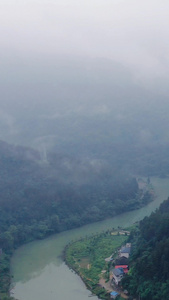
(63, 62)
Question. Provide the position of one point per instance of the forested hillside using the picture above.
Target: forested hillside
(39, 197)
(148, 278)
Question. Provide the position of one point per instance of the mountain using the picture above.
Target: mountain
(45, 196)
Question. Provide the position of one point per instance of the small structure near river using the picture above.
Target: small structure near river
(113, 295)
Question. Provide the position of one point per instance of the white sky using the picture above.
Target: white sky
(133, 32)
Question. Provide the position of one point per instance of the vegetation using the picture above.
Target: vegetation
(4, 274)
(38, 198)
(148, 278)
(87, 258)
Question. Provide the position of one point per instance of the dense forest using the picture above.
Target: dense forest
(39, 197)
(46, 197)
(148, 278)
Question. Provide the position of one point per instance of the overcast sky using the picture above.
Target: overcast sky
(122, 57)
(132, 32)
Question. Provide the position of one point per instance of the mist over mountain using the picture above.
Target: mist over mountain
(91, 109)
(40, 197)
(74, 73)
(83, 113)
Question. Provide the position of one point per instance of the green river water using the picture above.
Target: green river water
(38, 270)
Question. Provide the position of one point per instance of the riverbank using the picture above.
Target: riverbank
(89, 259)
(38, 267)
(13, 236)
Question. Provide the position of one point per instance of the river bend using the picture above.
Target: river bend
(38, 270)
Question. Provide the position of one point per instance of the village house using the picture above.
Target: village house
(121, 266)
(122, 261)
(124, 267)
(117, 275)
(125, 251)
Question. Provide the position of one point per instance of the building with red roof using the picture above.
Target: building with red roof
(124, 267)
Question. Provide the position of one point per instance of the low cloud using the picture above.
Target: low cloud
(7, 123)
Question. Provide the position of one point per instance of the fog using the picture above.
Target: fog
(132, 33)
(79, 74)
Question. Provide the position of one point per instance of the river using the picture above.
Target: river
(38, 270)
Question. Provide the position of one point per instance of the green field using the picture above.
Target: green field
(87, 258)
